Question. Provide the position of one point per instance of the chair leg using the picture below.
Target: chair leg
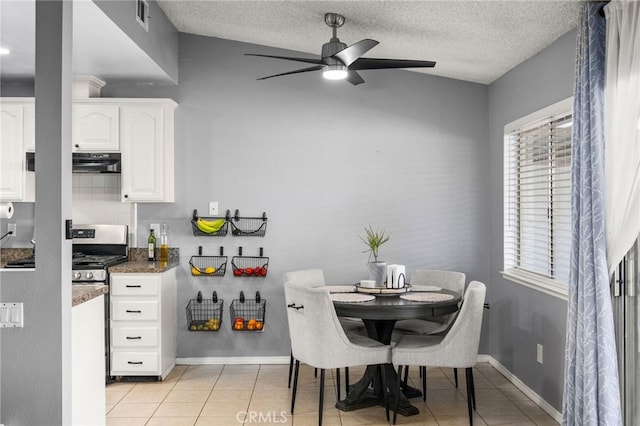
(385, 389)
(405, 381)
(424, 383)
(295, 386)
(346, 380)
(455, 376)
(338, 382)
(396, 395)
(473, 389)
(321, 403)
(290, 370)
(469, 378)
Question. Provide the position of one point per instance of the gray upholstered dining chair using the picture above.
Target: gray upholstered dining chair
(315, 278)
(318, 339)
(458, 348)
(448, 280)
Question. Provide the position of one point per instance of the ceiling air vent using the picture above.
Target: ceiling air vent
(142, 13)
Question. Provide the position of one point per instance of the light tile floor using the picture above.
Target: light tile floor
(258, 394)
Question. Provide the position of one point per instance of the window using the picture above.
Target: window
(537, 199)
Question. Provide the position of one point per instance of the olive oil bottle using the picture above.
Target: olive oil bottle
(151, 241)
(164, 245)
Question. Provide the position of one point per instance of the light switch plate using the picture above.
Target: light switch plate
(11, 315)
(213, 208)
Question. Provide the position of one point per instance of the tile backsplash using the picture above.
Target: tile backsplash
(96, 200)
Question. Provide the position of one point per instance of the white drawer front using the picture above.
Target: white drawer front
(134, 362)
(135, 285)
(134, 311)
(134, 337)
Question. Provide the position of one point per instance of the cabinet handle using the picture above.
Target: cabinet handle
(133, 312)
(134, 337)
(135, 362)
(126, 196)
(77, 146)
(133, 286)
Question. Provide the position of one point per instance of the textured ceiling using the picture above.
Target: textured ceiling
(475, 41)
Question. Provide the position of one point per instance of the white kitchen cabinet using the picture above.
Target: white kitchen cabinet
(143, 323)
(96, 127)
(17, 130)
(87, 359)
(146, 138)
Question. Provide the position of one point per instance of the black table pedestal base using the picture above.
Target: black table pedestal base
(361, 395)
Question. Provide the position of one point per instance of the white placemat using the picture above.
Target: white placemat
(425, 288)
(341, 288)
(426, 297)
(351, 297)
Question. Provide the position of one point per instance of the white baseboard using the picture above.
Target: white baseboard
(235, 360)
(252, 360)
(548, 408)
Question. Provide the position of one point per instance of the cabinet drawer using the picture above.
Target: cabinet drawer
(134, 285)
(134, 362)
(134, 337)
(134, 310)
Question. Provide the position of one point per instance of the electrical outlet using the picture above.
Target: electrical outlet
(213, 208)
(11, 227)
(539, 352)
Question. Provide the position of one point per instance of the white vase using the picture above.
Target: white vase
(378, 272)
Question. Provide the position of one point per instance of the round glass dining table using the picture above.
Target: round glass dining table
(379, 317)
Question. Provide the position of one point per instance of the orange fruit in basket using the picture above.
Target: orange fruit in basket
(258, 325)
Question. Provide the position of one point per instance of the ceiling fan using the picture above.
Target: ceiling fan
(339, 61)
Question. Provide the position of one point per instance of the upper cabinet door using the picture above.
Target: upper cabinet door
(96, 128)
(11, 153)
(147, 152)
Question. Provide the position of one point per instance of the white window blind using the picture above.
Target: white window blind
(537, 221)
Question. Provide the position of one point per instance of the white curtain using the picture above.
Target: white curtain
(622, 129)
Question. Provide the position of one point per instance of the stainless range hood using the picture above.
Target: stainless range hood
(86, 162)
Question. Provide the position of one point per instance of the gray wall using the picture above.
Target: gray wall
(160, 43)
(36, 359)
(405, 152)
(521, 317)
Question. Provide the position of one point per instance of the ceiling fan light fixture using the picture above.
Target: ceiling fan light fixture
(335, 72)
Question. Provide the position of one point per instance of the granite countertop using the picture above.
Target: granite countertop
(9, 254)
(138, 262)
(83, 293)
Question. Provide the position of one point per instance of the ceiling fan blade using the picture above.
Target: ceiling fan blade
(290, 58)
(316, 68)
(377, 64)
(354, 78)
(350, 54)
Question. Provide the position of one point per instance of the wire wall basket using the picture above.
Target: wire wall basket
(248, 226)
(210, 226)
(208, 266)
(204, 314)
(250, 266)
(248, 314)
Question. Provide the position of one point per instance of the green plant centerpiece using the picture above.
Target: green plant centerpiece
(373, 240)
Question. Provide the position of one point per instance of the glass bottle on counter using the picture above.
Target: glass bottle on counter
(151, 241)
(164, 245)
